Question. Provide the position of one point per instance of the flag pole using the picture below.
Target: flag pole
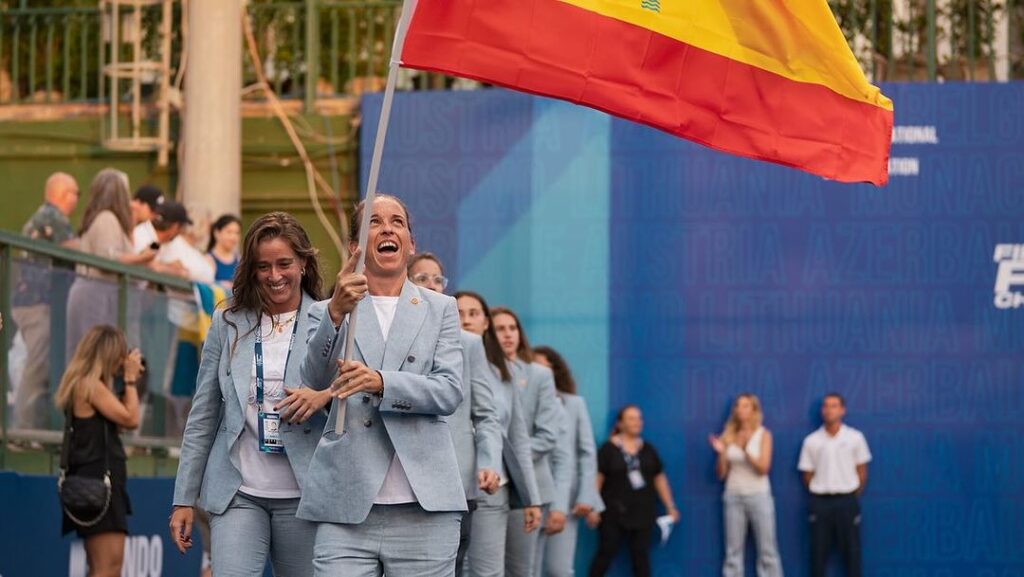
(371, 187)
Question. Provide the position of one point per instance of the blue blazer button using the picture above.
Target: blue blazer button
(368, 423)
(411, 359)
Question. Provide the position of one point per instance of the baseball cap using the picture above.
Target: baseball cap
(170, 212)
(150, 195)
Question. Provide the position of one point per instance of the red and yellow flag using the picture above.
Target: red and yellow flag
(768, 79)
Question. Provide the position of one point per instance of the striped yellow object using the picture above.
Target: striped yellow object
(796, 39)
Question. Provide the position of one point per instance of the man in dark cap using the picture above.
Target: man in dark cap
(175, 255)
(144, 204)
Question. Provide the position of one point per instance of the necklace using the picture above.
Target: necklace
(280, 325)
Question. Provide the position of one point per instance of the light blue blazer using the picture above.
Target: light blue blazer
(476, 431)
(543, 415)
(421, 364)
(574, 460)
(208, 474)
(517, 451)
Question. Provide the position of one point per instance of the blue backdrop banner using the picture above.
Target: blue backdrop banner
(675, 277)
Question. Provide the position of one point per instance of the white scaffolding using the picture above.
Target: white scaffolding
(123, 26)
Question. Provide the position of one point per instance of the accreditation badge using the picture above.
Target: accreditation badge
(270, 433)
(636, 480)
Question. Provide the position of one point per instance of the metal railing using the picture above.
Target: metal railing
(314, 49)
(310, 48)
(17, 254)
(50, 54)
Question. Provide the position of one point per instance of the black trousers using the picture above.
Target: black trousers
(835, 522)
(467, 526)
(610, 536)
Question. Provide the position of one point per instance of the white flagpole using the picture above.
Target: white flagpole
(371, 188)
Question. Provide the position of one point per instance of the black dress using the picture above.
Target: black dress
(86, 457)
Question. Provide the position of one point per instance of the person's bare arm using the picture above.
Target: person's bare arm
(762, 464)
(141, 259)
(665, 494)
(124, 414)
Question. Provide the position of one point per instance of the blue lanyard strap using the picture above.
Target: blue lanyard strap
(258, 352)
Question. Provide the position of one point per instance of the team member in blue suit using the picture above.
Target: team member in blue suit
(385, 487)
(249, 459)
(518, 485)
(476, 430)
(576, 454)
(544, 418)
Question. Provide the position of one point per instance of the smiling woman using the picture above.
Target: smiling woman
(390, 244)
(253, 426)
(388, 467)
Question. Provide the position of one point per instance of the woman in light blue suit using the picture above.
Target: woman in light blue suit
(544, 418)
(518, 487)
(384, 482)
(577, 455)
(253, 427)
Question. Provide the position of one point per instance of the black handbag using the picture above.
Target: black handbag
(85, 499)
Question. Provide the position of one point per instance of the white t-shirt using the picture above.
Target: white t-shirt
(396, 488)
(267, 475)
(143, 236)
(743, 479)
(199, 269)
(385, 308)
(834, 460)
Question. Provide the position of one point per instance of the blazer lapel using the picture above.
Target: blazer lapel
(242, 359)
(369, 339)
(409, 317)
(292, 377)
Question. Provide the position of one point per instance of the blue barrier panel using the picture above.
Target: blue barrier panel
(31, 544)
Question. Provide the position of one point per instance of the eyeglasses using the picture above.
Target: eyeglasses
(424, 278)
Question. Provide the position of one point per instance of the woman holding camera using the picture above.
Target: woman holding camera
(92, 445)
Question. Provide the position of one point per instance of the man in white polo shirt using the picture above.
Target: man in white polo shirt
(834, 460)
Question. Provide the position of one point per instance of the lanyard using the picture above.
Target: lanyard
(632, 459)
(258, 351)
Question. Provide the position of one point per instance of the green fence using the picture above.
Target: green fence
(35, 280)
(310, 48)
(52, 51)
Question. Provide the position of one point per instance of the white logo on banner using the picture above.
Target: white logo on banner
(143, 557)
(910, 165)
(1009, 289)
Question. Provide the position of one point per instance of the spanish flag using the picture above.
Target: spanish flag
(768, 79)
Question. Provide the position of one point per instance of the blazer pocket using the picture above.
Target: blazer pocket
(331, 436)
